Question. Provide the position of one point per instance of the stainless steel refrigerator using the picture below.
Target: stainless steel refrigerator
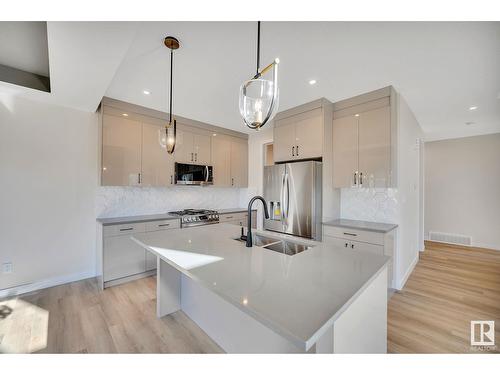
(293, 195)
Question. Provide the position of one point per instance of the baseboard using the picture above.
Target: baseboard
(47, 283)
(474, 246)
(403, 281)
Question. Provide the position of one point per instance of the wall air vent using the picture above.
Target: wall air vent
(456, 239)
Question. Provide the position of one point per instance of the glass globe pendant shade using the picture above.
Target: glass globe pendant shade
(166, 136)
(257, 101)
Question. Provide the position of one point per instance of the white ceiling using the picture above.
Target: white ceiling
(441, 68)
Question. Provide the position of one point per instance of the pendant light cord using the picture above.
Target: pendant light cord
(171, 83)
(258, 47)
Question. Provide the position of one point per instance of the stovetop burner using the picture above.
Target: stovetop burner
(192, 211)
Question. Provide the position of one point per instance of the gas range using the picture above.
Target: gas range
(192, 217)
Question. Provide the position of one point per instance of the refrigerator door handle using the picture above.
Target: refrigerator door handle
(282, 198)
(287, 195)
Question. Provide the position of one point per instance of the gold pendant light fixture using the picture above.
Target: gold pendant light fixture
(167, 135)
(258, 96)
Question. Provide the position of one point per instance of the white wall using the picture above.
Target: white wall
(48, 165)
(462, 188)
(409, 235)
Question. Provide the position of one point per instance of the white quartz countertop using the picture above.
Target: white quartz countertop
(154, 217)
(299, 296)
(361, 225)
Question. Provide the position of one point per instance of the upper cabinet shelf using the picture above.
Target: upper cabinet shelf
(132, 155)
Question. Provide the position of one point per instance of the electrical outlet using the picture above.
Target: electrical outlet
(7, 267)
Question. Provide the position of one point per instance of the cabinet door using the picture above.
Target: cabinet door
(375, 147)
(221, 160)
(284, 141)
(121, 151)
(202, 149)
(367, 247)
(309, 135)
(157, 163)
(239, 163)
(184, 145)
(345, 151)
(122, 257)
(150, 261)
(337, 242)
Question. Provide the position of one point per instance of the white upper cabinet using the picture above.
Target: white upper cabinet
(202, 149)
(230, 161)
(157, 163)
(345, 154)
(191, 147)
(363, 144)
(299, 136)
(121, 151)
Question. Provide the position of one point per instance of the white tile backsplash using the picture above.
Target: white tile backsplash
(113, 201)
(370, 204)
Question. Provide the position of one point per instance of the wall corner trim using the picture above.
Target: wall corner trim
(401, 283)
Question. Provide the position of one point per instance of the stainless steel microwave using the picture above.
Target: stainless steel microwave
(192, 174)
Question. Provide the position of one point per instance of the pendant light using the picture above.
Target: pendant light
(258, 96)
(167, 135)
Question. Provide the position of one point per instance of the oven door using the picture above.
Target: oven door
(192, 174)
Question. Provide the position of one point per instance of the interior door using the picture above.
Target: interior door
(345, 151)
(202, 147)
(299, 192)
(273, 191)
(221, 160)
(121, 151)
(157, 163)
(239, 163)
(284, 140)
(309, 135)
(375, 147)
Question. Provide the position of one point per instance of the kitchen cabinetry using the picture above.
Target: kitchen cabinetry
(192, 148)
(121, 259)
(157, 163)
(230, 161)
(298, 136)
(239, 218)
(121, 151)
(380, 243)
(364, 141)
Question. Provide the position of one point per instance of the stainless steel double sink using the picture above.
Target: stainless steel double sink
(275, 244)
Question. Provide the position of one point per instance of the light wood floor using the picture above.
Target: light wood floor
(449, 287)
(83, 319)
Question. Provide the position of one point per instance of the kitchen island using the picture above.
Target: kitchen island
(325, 299)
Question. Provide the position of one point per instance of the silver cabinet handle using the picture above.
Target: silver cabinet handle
(232, 181)
(163, 225)
(361, 178)
(196, 156)
(229, 217)
(171, 180)
(139, 179)
(297, 150)
(293, 150)
(192, 156)
(346, 244)
(355, 178)
(125, 229)
(352, 246)
(350, 234)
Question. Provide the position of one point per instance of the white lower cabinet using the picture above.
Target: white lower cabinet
(363, 240)
(122, 259)
(239, 218)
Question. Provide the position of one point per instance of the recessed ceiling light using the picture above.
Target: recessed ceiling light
(125, 114)
(356, 115)
(473, 108)
(214, 134)
(470, 123)
(146, 92)
(312, 82)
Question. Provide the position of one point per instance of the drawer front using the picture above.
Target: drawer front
(152, 226)
(354, 234)
(123, 229)
(232, 217)
(335, 241)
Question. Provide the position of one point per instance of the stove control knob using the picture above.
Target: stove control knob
(188, 219)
